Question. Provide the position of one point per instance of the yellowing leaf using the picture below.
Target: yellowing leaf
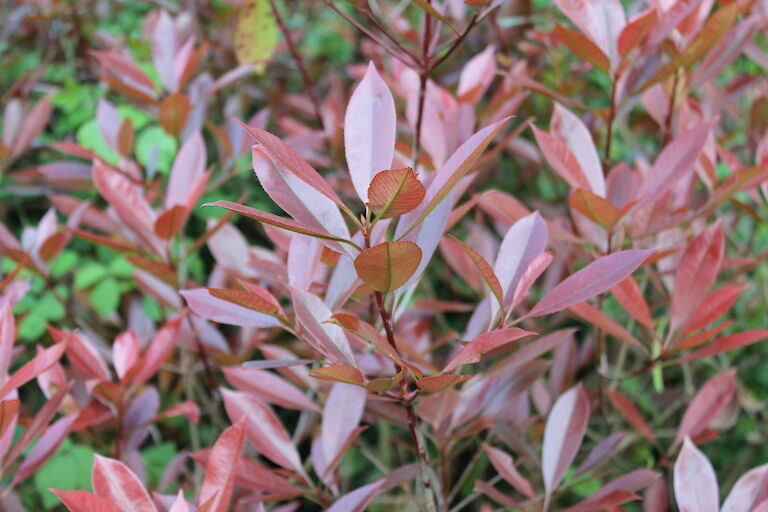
(256, 34)
(394, 192)
(388, 266)
(339, 373)
(594, 207)
(246, 299)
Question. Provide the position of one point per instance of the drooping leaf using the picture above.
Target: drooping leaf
(387, 266)
(395, 192)
(475, 349)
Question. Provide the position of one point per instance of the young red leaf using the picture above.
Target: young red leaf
(247, 300)
(489, 276)
(505, 466)
(566, 126)
(561, 159)
(597, 277)
(565, 429)
(581, 46)
(220, 468)
(369, 132)
(636, 31)
(114, 481)
(9, 410)
(601, 20)
(631, 299)
(709, 402)
(726, 343)
(84, 501)
(695, 481)
(475, 349)
(714, 306)
(174, 112)
(630, 413)
(594, 207)
(159, 349)
(40, 363)
(438, 383)
(696, 272)
(596, 317)
(535, 268)
(387, 266)
(395, 192)
(339, 373)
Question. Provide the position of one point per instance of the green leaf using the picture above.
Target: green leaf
(154, 144)
(68, 469)
(88, 275)
(256, 34)
(120, 267)
(89, 136)
(63, 263)
(32, 326)
(156, 459)
(105, 296)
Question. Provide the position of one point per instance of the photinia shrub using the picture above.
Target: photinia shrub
(516, 262)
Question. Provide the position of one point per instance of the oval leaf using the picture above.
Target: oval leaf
(394, 192)
(388, 266)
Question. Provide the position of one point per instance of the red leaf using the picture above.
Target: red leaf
(369, 132)
(170, 222)
(696, 272)
(438, 383)
(565, 429)
(485, 270)
(594, 207)
(581, 46)
(114, 481)
(630, 413)
(714, 306)
(709, 402)
(561, 159)
(726, 343)
(220, 469)
(596, 317)
(84, 501)
(158, 351)
(475, 349)
(40, 363)
(395, 192)
(387, 266)
(631, 299)
(597, 277)
(339, 373)
(535, 268)
(695, 481)
(636, 31)
(606, 502)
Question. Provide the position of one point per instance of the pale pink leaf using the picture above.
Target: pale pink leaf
(268, 386)
(114, 481)
(566, 126)
(505, 466)
(223, 311)
(188, 168)
(125, 353)
(341, 415)
(747, 490)
(713, 397)
(369, 131)
(565, 429)
(357, 500)
(164, 46)
(600, 20)
(695, 481)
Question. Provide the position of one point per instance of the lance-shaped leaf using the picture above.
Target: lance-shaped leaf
(571, 130)
(339, 373)
(636, 31)
(505, 466)
(342, 413)
(40, 363)
(561, 159)
(264, 429)
(369, 131)
(631, 298)
(394, 192)
(221, 465)
(630, 413)
(269, 386)
(170, 221)
(485, 269)
(601, 20)
(387, 266)
(329, 339)
(708, 403)
(205, 304)
(695, 481)
(566, 426)
(115, 481)
(7, 335)
(581, 46)
(188, 168)
(726, 343)
(247, 300)
(159, 350)
(357, 500)
(597, 277)
(523, 242)
(173, 113)
(277, 221)
(369, 334)
(475, 349)
(696, 272)
(714, 306)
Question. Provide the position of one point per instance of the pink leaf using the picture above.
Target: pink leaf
(477, 75)
(369, 131)
(125, 353)
(179, 504)
(505, 466)
(40, 363)
(114, 481)
(357, 500)
(569, 128)
(566, 426)
(709, 402)
(535, 268)
(726, 343)
(562, 160)
(220, 468)
(84, 501)
(158, 350)
(600, 20)
(474, 350)
(341, 415)
(695, 481)
(264, 429)
(164, 46)
(223, 311)
(631, 299)
(597, 277)
(747, 491)
(312, 315)
(188, 168)
(7, 334)
(696, 272)
(714, 306)
(269, 387)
